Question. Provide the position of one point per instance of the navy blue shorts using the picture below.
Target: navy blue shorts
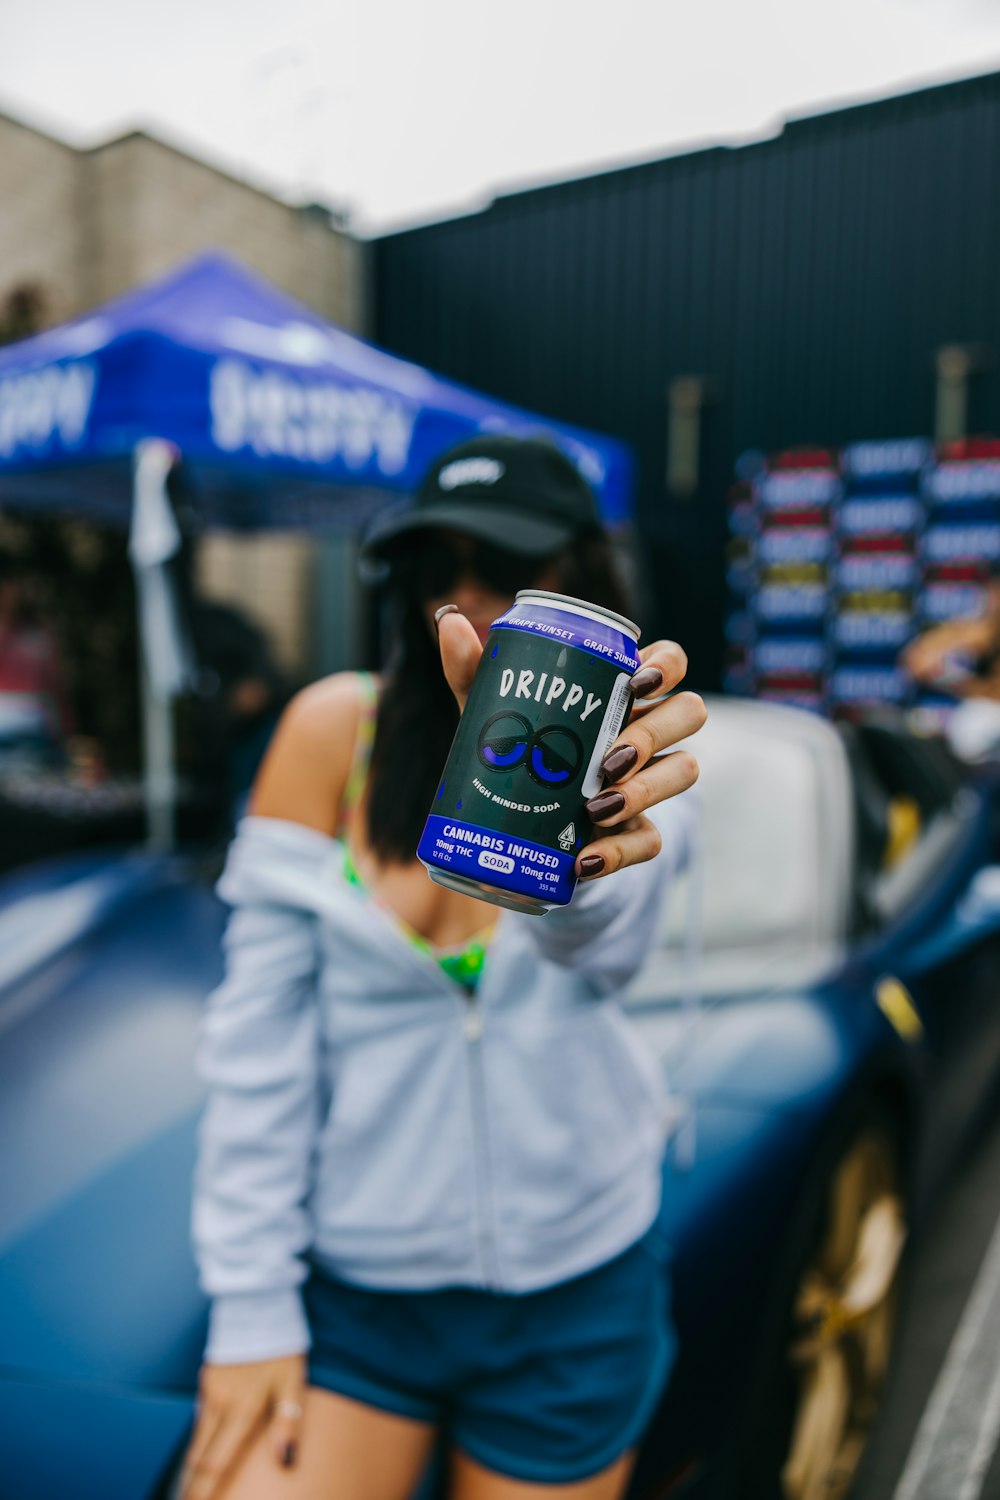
(548, 1387)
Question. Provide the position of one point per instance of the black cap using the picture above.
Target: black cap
(523, 494)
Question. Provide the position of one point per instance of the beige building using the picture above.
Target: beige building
(80, 226)
(83, 226)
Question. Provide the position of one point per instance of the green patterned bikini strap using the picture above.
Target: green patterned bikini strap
(363, 741)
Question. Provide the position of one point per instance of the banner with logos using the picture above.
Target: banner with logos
(837, 559)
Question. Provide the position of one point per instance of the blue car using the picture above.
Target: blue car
(824, 997)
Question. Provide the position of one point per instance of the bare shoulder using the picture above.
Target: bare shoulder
(304, 773)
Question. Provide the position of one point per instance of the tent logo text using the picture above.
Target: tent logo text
(281, 417)
(45, 406)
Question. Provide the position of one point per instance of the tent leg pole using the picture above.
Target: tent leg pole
(158, 768)
(152, 540)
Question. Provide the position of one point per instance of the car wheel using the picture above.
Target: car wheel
(839, 1306)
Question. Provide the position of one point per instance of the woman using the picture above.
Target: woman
(960, 659)
(431, 1162)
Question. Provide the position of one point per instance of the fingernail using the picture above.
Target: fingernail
(617, 762)
(446, 609)
(591, 864)
(288, 1455)
(645, 681)
(605, 805)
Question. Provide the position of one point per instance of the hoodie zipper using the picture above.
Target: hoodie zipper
(472, 1030)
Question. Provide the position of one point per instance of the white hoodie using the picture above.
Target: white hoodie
(366, 1112)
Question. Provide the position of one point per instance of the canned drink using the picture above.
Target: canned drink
(549, 698)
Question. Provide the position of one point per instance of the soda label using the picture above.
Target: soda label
(541, 716)
(553, 694)
(614, 718)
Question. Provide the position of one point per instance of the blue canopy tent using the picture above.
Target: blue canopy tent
(268, 416)
(280, 419)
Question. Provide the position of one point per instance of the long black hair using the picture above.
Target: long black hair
(417, 714)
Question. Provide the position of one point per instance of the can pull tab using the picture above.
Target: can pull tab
(619, 702)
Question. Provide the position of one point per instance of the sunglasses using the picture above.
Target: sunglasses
(431, 566)
(553, 755)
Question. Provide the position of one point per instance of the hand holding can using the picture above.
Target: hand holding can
(542, 733)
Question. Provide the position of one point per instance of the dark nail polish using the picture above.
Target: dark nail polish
(593, 864)
(446, 609)
(605, 805)
(646, 681)
(288, 1455)
(617, 762)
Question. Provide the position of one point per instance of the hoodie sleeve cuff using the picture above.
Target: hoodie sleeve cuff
(246, 1326)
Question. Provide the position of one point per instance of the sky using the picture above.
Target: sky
(401, 113)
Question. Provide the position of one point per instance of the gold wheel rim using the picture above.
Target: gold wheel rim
(843, 1319)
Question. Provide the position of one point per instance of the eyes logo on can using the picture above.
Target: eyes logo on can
(553, 755)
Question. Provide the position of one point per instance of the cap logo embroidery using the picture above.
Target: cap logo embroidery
(470, 471)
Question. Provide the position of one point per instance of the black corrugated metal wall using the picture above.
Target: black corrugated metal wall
(811, 278)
